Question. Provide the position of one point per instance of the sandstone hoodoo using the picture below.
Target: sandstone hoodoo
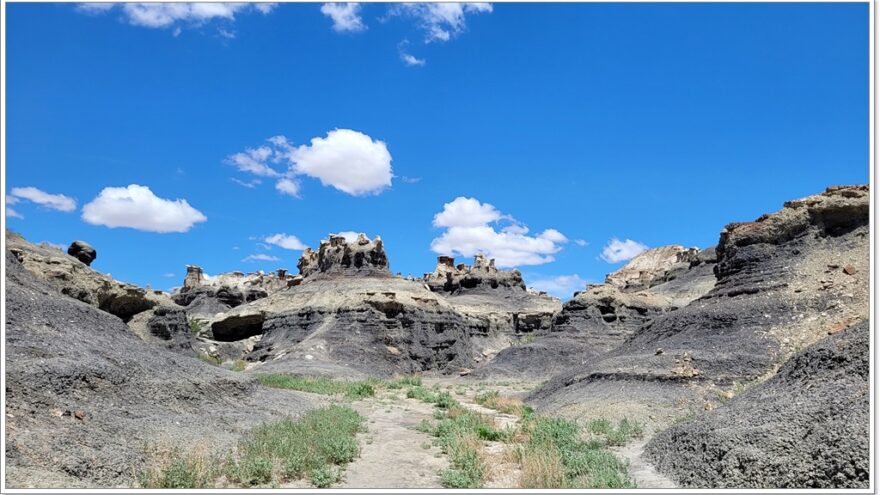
(206, 297)
(337, 256)
(449, 277)
(82, 251)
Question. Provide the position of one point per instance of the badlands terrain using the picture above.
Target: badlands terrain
(742, 365)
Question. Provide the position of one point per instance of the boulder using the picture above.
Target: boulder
(82, 251)
(77, 280)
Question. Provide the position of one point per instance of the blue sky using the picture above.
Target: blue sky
(565, 126)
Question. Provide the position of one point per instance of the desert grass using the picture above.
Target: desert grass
(320, 385)
(315, 447)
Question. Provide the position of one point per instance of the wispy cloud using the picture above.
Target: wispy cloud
(440, 21)
(562, 286)
(58, 202)
(346, 16)
(176, 15)
(260, 257)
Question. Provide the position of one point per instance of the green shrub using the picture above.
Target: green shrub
(239, 365)
(323, 477)
(195, 327)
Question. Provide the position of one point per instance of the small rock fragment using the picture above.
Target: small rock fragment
(849, 270)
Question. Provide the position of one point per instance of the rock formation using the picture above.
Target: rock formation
(205, 297)
(75, 279)
(337, 256)
(655, 282)
(82, 251)
(448, 277)
(84, 396)
(783, 283)
(806, 427)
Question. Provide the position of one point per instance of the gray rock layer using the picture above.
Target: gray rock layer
(84, 395)
(806, 427)
(783, 283)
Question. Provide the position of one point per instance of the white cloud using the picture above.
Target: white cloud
(163, 15)
(348, 160)
(468, 232)
(440, 21)
(250, 184)
(260, 257)
(411, 60)
(286, 241)
(168, 275)
(58, 202)
(616, 250)
(288, 186)
(346, 16)
(581, 242)
(254, 161)
(138, 208)
(349, 235)
(562, 286)
(11, 213)
(466, 212)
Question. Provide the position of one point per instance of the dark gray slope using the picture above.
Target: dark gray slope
(806, 427)
(64, 356)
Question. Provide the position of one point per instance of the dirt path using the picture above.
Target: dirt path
(393, 453)
(641, 471)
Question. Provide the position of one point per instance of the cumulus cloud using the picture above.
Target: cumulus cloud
(616, 250)
(466, 212)
(260, 257)
(469, 231)
(285, 241)
(346, 16)
(138, 208)
(164, 15)
(562, 286)
(347, 160)
(58, 202)
(440, 21)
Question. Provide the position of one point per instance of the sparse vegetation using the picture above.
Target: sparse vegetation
(216, 361)
(195, 327)
(556, 455)
(325, 386)
(404, 381)
(239, 365)
(314, 446)
(504, 404)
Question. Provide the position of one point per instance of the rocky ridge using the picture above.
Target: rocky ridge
(783, 283)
